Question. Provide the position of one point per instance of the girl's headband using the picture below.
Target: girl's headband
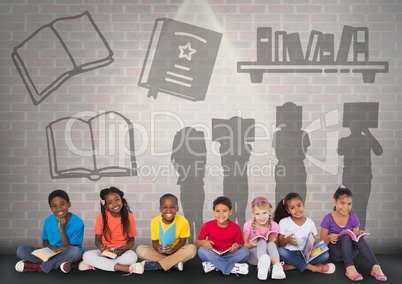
(262, 201)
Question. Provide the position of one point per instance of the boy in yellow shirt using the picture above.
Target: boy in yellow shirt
(165, 254)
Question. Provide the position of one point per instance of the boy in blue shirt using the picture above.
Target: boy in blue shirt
(62, 232)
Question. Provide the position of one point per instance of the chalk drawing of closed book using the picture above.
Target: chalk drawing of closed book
(58, 51)
(179, 60)
(101, 146)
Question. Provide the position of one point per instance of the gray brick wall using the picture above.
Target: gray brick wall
(25, 179)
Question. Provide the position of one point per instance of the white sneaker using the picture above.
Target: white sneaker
(240, 268)
(179, 266)
(136, 268)
(277, 272)
(83, 266)
(264, 263)
(208, 267)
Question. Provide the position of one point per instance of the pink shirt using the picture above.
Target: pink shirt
(247, 228)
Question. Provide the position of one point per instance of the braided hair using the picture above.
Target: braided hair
(125, 210)
(262, 203)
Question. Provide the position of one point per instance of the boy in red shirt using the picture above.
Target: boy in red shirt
(220, 242)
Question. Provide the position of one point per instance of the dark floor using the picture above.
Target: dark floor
(193, 274)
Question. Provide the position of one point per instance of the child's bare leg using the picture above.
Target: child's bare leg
(275, 260)
(121, 267)
(287, 267)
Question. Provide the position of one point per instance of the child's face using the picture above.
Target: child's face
(262, 215)
(222, 213)
(168, 209)
(295, 208)
(343, 205)
(59, 206)
(113, 203)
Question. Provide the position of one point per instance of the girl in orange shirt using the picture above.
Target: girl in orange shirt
(114, 232)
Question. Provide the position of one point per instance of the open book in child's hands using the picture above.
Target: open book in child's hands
(168, 236)
(352, 235)
(311, 250)
(266, 237)
(109, 254)
(45, 253)
(220, 253)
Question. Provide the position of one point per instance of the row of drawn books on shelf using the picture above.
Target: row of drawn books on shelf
(284, 47)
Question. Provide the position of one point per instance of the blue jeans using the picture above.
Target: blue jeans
(225, 262)
(69, 254)
(346, 249)
(296, 259)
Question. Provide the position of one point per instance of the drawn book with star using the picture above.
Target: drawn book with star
(179, 60)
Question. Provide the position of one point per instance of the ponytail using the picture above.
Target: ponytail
(281, 209)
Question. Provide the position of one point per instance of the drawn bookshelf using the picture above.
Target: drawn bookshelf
(288, 55)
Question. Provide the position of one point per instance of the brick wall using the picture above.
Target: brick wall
(127, 26)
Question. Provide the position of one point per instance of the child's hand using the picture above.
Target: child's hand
(119, 250)
(103, 247)
(208, 244)
(291, 239)
(160, 249)
(253, 243)
(234, 247)
(168, 250)
(61, 223)
(56, 249)
(333, 238)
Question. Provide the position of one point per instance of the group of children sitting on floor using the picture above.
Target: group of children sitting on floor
(273, 245)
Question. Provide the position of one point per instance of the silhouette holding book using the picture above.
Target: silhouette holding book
(233, 135)
(189, 159)
(290, 143)
(98, 147)
(64, 48)
(356, 151)
(283, 53)
(179, 60)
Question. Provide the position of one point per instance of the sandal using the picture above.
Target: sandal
(356, 277)
(380, 277)
(331, 268)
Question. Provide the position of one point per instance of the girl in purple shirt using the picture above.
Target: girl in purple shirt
(344, 248)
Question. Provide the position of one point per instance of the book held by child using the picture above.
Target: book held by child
(45, 253)
(352, 235)
(311, 250)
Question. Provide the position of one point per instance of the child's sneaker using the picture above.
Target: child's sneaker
(66, 267)
(26, 266)
(208, 267)
(83, 266)
(264, 262)
(137, 268)
(240, 268)
(179, 266)
(151, 265)
(277, 272)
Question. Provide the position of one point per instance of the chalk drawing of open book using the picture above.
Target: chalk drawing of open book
(94, 147)
(283, 53)
(58, 51)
